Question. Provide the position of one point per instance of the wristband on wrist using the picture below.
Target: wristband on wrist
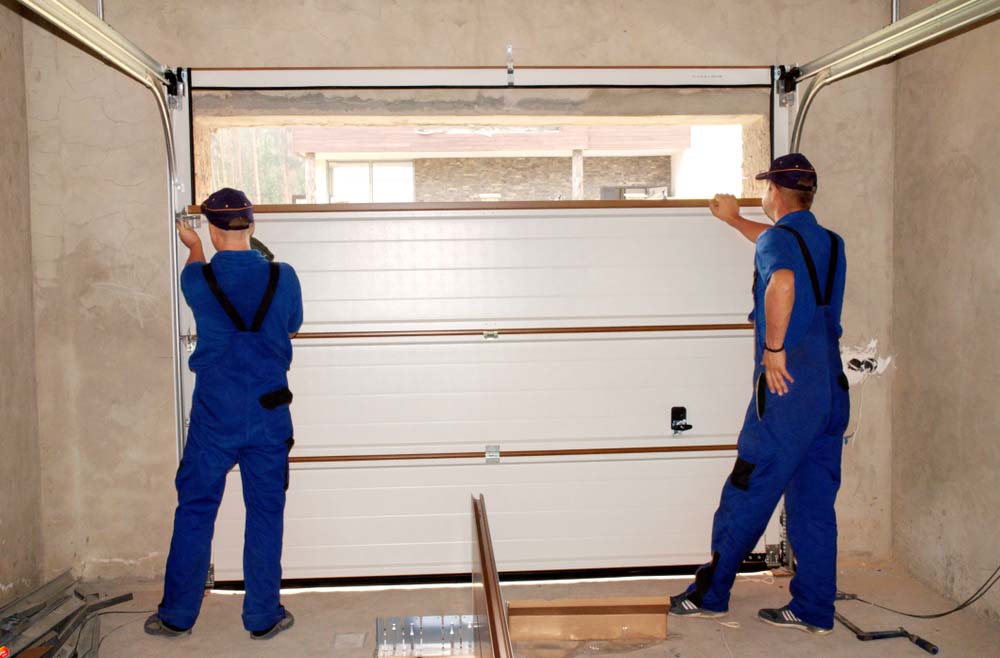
(780, 349)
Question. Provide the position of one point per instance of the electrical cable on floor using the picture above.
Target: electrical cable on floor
(726, 642)
(978, 594)
(116, 628)
(861, 409)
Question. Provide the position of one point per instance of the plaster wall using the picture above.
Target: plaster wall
(20, 531)
(946, 473)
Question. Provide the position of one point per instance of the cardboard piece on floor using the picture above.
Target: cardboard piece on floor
(621, 618)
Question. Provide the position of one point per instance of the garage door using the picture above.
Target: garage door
(414, 387)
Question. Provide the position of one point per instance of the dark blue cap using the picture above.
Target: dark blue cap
(793, 171)
(228, 209)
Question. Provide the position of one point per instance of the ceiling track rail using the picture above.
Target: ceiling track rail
(940, 21)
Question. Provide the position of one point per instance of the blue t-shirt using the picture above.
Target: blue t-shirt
(243, 276)
(779, 250)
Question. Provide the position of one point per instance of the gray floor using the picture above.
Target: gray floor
(341, 623)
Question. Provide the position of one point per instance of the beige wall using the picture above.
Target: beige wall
(946, 496)
(20, 533)
(100, 233)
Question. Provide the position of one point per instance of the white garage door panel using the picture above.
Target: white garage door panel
(492, 270)
(414, 519)
(655, 265)
(531, 394)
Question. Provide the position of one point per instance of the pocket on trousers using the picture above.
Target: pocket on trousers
(842, 382)
(760, 395)
(275, 399)
(740, 477)
(289, 442)
(276, 414)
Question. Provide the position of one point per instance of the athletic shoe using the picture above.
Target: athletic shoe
(682, 606)
(785, 618)
(156, 626)
(283, 624)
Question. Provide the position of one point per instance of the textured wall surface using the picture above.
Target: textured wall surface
(946, 418)
(100, 231)
(20, 532)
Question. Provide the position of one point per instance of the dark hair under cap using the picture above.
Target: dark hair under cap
(228, 209)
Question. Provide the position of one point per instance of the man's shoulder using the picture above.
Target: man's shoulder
(192, 273)
(824, 230)
(775, 237)
(286, 270)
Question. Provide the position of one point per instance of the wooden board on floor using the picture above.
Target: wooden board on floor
(615, 618)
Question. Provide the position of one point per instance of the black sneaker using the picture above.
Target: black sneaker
(156, 626)
(682, 606)
(785, 618)
(283, 624)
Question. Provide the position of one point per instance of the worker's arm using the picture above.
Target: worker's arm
(778, 301)
(727, 208)
(191, 240)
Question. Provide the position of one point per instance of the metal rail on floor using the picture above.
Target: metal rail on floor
(492, 628)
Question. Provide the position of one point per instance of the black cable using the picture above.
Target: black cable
(978, 594)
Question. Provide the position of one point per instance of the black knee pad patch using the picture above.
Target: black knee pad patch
(740, 477)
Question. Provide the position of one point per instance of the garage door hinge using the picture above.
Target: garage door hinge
(176, 87)
(190, 221)
(772, 555)
(510, 65)
(190, 340)
(492, 454)
(787, 80)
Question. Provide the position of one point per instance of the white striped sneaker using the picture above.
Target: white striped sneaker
(682, 606)
(785, 618)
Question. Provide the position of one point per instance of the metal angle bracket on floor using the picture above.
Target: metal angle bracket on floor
(428, 635)
(866, 636)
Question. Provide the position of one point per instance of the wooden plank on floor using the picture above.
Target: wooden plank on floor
(616, 618)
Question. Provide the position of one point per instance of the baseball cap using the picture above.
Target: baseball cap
(228, 209)
(793, 171)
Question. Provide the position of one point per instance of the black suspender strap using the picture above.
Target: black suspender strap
(227, 306)
(810, 265)
(265, 303)
(831, 273)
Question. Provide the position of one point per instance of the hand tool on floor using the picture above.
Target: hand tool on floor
(865, 636)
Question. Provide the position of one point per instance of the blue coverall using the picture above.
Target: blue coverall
(245, 309)
(790, 444)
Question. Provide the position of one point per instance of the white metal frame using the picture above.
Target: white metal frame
(455, 77)
(479, 77)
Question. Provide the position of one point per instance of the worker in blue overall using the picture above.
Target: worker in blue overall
(793, 432)
(245, 308)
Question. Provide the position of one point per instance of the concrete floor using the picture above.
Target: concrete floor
(341, 623)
